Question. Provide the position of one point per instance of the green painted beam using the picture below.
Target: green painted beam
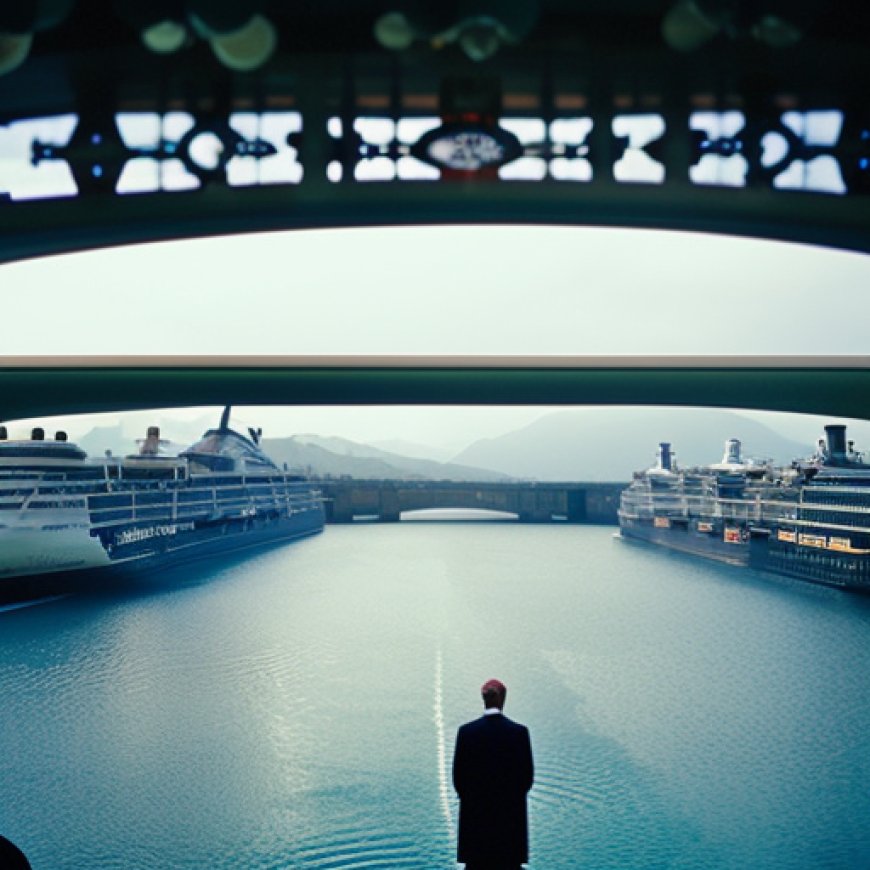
(838, 386)
(44, 227)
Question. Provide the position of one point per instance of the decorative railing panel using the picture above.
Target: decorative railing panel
(820, 151)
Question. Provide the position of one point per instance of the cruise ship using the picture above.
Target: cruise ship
(65, 517)
(809, 520)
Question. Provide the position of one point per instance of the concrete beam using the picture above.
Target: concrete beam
(42, 386)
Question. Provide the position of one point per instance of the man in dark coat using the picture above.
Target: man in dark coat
(492, 774)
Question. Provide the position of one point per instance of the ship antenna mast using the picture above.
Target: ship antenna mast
(225, 418)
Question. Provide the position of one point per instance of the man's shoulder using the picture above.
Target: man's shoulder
(516, 726)
(500, 721)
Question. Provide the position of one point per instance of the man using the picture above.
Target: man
(11, 857)
(492, 774)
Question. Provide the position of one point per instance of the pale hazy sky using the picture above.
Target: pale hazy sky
(441, 290)
(464, 290)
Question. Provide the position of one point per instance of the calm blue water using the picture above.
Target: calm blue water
(298, 709)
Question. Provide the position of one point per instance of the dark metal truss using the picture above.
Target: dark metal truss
(593, 61)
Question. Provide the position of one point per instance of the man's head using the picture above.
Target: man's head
(493, 693)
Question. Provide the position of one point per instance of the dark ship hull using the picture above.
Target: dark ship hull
(810, 521)
(814, 563)
(168, 546)
(686, 538)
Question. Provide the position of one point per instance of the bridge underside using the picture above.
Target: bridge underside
(751, 119)
(748, 118)
(831, 386)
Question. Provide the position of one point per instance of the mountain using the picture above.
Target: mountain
(107, 438)
(611, 443)
(808, 428)
(316, 454)
(578, 444)
(414, 450)
(338, 456)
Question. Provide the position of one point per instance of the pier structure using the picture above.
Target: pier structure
(531, 502)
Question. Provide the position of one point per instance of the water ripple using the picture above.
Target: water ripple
(361, 848)
(295, 712)
(565, 785)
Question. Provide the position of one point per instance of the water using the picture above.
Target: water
(298, 709)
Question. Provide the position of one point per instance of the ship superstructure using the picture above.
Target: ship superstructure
(62, 512)
(809, 520)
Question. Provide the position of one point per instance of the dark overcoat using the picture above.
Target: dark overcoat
(492, 774)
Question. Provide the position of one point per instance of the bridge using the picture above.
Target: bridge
(623, 114)
(531, 502)
(45, 386)
(663, 114)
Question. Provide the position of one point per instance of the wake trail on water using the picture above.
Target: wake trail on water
(441, 745)
(34, 602)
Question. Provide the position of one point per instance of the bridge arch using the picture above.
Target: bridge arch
(456, 514)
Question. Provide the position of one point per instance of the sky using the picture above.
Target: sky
(448, 429)
(443, 290)
(440, 290)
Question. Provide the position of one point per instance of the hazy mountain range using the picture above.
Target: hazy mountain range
(576, 444)
(339, 456)
(314, 454)
(586, 445)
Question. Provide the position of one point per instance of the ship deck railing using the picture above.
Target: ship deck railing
(101, 474)
(220, 502)
(837, 527)
(229, 500)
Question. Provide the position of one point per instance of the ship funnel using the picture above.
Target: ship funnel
(151, 445)
(836, 442)
(37, 434)
(732, 452)
(665, 456)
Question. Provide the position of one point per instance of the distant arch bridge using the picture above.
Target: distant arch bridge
(530, 501)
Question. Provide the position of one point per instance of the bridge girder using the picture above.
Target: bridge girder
(832, 386)
(597, 63)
